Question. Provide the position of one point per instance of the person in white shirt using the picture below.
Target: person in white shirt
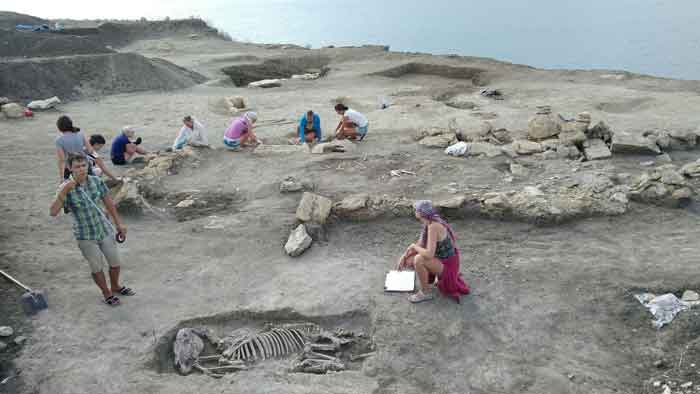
(353, 125)
(192, 132)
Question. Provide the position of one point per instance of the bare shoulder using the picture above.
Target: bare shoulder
(437, 228)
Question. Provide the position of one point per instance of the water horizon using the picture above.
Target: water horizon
(652, 37)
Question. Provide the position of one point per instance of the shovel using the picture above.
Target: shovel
(32, 300)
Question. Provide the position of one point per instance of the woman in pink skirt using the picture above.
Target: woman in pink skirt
(435, 254)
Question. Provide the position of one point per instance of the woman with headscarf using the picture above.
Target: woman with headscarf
(241, 131)
(435, 254)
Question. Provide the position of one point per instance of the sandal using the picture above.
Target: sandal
(420, 297)
(125, 291)
(112, 301)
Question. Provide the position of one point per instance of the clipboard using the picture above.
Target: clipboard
(400, 282)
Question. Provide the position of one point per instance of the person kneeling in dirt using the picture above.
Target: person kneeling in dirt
(353, 125)
(124, 151)
(240, 132)
(96, 237)
(310, 128)
(192, 133)
(434, 255)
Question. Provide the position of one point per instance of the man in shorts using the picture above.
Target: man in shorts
(81, 194)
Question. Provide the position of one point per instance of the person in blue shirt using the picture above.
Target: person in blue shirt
(310, 128)
(123, 149)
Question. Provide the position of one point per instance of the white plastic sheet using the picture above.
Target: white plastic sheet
(664, 308)
(458, 149)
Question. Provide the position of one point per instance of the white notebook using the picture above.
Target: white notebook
(400, 281)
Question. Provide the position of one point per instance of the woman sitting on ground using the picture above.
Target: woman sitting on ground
(124, 151)
(240, 132)
(73, 141)
(435, 254)
(353, 125)
(310, 128)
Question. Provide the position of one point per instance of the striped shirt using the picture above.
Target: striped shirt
(88, 222)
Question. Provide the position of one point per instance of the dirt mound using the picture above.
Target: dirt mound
(91, 75)
(8, 20)
(42, 44)
(242, 75)
(122, 33)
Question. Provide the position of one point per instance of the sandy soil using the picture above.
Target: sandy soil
(552, 308)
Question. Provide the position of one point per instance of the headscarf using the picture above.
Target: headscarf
(251, 116)
(425, 209)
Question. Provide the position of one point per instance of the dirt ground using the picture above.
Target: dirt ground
(552, 308)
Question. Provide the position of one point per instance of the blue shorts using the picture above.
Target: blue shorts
(232, 144)
(362, 130)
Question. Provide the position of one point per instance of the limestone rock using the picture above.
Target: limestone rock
(632, 143)
(334, 146)
(278, 150)
(351, 204)
(595, 149)
(291, 184)
(13, 111)
(266, 83)
(299, 240)
(6, 331)
(185, 203)
(483, 148)
(664, 186)
(439, 141)
(572, 138)
(524, 147)
(543, 125)
(690, 295)
(568, 152)
(237, 102)
(691, 169)
(126, 197)
(313, 208)
(44, 104)
(452, 203)
(20, 340)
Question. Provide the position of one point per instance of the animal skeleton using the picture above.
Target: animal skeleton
(244, 346)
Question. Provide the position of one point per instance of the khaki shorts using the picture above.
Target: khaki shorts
(94, 250)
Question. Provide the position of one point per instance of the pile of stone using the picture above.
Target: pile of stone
(435, 137)
(6, 332)
(131, 193)
(595, 195)
(312, 213)
(674, 140)
(666, 185)
(11, 110)
(292, 184)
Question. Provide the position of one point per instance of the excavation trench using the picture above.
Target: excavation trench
(357, 322)
(243, 74)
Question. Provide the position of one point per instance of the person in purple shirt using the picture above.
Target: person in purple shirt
(240, 132)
